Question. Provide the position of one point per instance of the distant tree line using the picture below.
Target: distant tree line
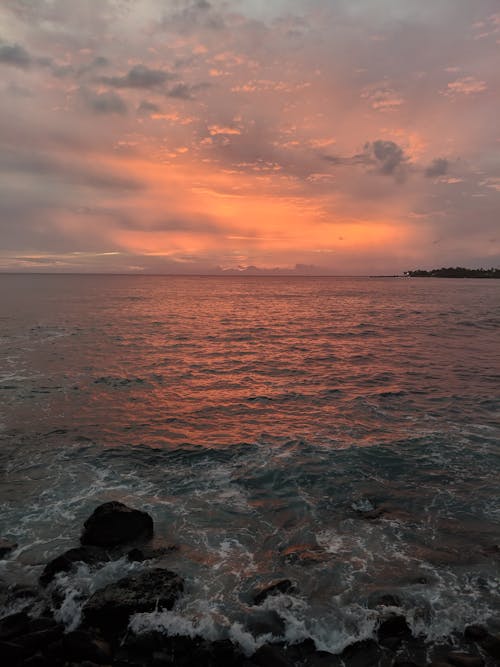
(454, 272)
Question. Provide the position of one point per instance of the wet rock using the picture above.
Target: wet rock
(464, 660)
(366, 653)
(39, 639)
(111, 607)
(223, 653)
(281, 586)
(114, 523)
(6, 546)
(39, 660)
(270, 655)
(394, 627)
(81, 645)
(66, 561)
(304, 652)
(149, 553)
(13, 625)
(264, 622)
(383, 599)
(491, 646)
(476, 633)
(12, 653)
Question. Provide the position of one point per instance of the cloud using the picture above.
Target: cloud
(382, 97)
(15, 55)
(466, 85)
(146, 108)
(140, 76)
(181, 91)
(106, 103)
(389, 157)
(438, 167)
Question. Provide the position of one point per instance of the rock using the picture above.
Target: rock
(223, 653)
(81, 645)
(13, 625)
(114, 523)
(12, 653)
(270, 655)
(464, 660)
(366, 653)
(281, 586)
(66, 561)
(491, 646)
(265, 621)
(383, 599)
(34, 641)
(111, 607)
(149, 553)
(475, 633)
(6, 546)
(393, 627)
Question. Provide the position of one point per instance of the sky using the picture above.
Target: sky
(344, 137)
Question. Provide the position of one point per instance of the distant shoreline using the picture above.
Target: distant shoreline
(454, 272)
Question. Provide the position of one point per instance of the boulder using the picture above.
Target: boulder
(383, 599)
(81, 645)
(270, 655)
(491, 646)
(394, 627)
(6, 546)
(114, 523)
(281, 586)
(464, 659)
(111, 607)
(66, 561)
(365, 653)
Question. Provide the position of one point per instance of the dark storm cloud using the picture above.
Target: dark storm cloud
(386, 156)
(389, 156)
(193, 16)
(438, 167)
(147, 107)
(49, 168)
(181, 91)
(15, 55)
(196, 224)
(105, 103)
(139, 76)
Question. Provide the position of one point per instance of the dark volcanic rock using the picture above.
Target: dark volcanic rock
(81, 645)
(114, 523)
(111, 607)
(14, 625)
(6, 546)
(66, 561)
(393, 628)
(270, 655)
(491, 646)
(282, 586)
(366, 653)
(464, 660)
(149, 553)
(383, 599)
(488, 642)
(476, 632)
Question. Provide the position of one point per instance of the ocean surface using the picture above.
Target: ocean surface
(339, 432)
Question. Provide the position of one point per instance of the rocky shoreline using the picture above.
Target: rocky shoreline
(36, 635)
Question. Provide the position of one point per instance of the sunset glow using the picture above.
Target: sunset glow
(192, 137)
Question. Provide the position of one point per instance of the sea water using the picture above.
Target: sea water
(339, 432)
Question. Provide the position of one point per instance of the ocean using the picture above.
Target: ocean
(339, 432)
